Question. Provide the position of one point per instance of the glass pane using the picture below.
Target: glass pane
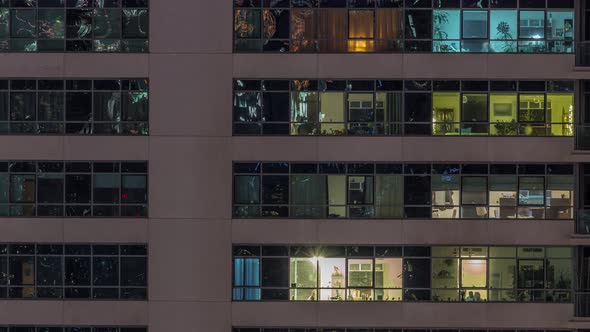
(308, 195)
(4, 23)
(560, 113)
(417, 273)
(445, 273)
(135, 23)
(107, 23)
(361, 24)
(107, 106)
(389, 24)
(389, 196)
(23, 23)
(530, 274)
(49, 271)
(360, 190)
(246, 189)
(106, 188)
(503, 110)
(445, 195)
(275, 189)
(23, 106)
(246, 272)
(51, 106)
(446, 24)
(135, 106)
(531, 108)
(503, 273)
(333, 34)
(360, 107)
(304, 113)
(532, 24)
(446, 113)
(51, 23)
(21, 271)
(388, 273)
(360, 273)
(304, 30)
(133, 271)
(475, 108)
(336, 195)
(475, 24)
(388, 109)
(474, 190)
(503, 25)
(503, 196)
(332, 109)
(105, 271)
(51, 188)
(559, 274)
(79, 23)
(134, 189)
(418, 24)
(77, 271)
(247, 106)
(78, 188)
(473, 273)
(22, 188)
(531, 191)
(304, 273)
(331, 274)
(560, 25)
(4, 188)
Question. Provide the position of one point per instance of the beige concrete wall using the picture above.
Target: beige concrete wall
(407, 66)
(391, 314)
(404, 232)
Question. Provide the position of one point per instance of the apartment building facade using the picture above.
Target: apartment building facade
(294, 165)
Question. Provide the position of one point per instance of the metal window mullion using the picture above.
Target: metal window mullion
(119, 268)
(92, 185)
(119, 204)
(35, 270)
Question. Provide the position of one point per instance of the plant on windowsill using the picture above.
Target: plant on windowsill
(504, 128)
(503, 33)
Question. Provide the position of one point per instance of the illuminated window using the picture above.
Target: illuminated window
(360, 280)
(560, 114)
(361, 30)
(332, 109)
(445, 196)
(390, 190)
(389, 108)
(446, 113)
(503, 114)
(389, 273)
(304, 279)
(474, 191)
(474, 116)
(376, 26)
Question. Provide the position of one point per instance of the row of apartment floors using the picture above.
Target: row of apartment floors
(197, 186)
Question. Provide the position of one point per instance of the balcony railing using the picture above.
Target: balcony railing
(583, 54)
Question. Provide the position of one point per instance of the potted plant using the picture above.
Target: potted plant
(503, 33)
(504, 128)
